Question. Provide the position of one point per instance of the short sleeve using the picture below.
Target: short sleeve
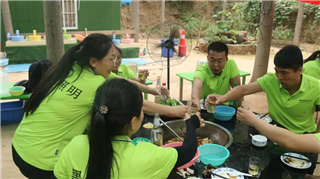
(60, 169)
(111, 76)
(130, 73)
(200, 73)
(165, 158)
(234, 70)
(318, 95)
(161, 160)
(317, 136)
(265, 81)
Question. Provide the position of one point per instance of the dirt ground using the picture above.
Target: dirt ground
(256, 102)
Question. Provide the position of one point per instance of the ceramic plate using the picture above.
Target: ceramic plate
(295, 163)
(202, 106)
(223, 172)
(265, 118)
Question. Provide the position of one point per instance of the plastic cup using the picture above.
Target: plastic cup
(192, 110)
(141, 75)
(211, 106)
(254, 166)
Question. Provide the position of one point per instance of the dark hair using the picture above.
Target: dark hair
(123, 101)
(313, 56)
(218, 47)
(120, 51)
(289, 56)
(95, 45)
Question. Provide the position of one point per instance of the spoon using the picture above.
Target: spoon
(251, 135)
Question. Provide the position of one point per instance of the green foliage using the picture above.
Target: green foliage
(170, 102)
(246, 15)
(281, 33)
(285, 11)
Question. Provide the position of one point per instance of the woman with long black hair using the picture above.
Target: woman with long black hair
(59, 107)
(311, 65)
(107, 152)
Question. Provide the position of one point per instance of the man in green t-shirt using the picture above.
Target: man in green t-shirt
(216, 76)
(311, 65)
(292, 96)
(124, 71)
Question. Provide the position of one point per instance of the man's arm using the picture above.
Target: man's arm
(196, 92)
(288, 139)
(237, 80)
(139, 80)
(236, 93)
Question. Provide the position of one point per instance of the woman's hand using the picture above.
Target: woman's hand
(246, 116)
(177, 111)
(195, 103)
(202, 124)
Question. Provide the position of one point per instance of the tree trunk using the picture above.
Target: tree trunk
(135, 19)
(264, 40)
(6, 16)
(297, 29)
(163, 8)
(53, 29)
(224, 7)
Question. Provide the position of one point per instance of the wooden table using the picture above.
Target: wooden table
(189, 77)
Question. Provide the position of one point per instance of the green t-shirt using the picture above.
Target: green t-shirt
(214, 83)
(124, 71)
(145, 160)
(312, 68)
(317, 136)
(295, 112)
(41, 137)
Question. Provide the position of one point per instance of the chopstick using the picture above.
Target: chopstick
(264, 115)
(171, 129)
(219, 175)
(301, 159)
(178, 101)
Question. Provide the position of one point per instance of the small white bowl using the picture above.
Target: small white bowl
(259, 140)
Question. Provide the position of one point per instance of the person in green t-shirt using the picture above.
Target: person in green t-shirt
(216, 76)
(311, 65)
(125, 71)
(108, 152)
(59, 108)
(296, 142)
(292, 96)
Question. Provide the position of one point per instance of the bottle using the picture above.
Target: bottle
(156, 132)
(164, 97)
(8, 36)
(157, 98)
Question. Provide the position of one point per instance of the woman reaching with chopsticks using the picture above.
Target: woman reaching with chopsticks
(107, 151)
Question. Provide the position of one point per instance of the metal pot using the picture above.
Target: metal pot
(216, 133)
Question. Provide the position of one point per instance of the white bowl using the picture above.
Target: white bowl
(259, 140)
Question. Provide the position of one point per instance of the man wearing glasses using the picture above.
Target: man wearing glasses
(216, 76)
(124, 70)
